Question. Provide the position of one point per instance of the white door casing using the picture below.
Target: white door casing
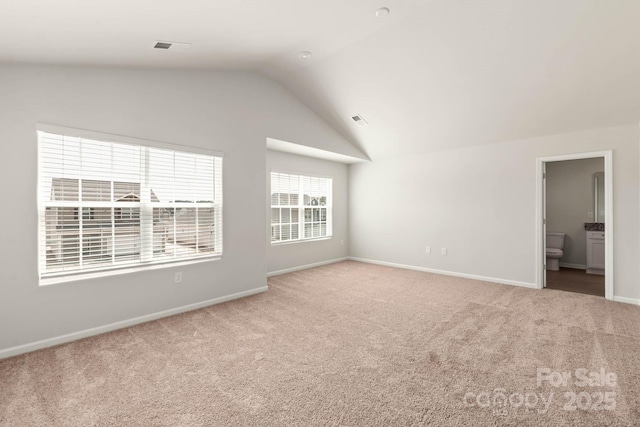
(540, 227)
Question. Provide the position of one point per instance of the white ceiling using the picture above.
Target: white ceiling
(434, 74)
(229, 34)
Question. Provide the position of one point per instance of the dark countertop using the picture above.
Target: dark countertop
(594, 226)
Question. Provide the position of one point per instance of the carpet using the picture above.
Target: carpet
(347, 344)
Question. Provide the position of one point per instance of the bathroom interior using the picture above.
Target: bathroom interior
(575, 228)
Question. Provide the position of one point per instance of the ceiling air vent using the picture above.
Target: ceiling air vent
(359, 120)
(172, 46)
(162, 45)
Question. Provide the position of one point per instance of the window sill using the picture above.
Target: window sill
(118, 271)
(291, 242)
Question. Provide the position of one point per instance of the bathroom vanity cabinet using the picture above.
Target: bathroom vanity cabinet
(595, 252)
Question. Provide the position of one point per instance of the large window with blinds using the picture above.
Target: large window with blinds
(300, 207)
(108, 203)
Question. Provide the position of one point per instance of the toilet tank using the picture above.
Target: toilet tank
(555, 240)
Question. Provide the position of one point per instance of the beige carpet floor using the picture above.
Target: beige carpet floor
(349, 344)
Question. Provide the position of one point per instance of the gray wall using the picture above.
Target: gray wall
(570, 195)
(480, 203)
(229, 112)
(291, 255)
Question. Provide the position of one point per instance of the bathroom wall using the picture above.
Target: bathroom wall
(569, 199)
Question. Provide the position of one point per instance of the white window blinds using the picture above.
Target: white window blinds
(300, 207)
(106, 205)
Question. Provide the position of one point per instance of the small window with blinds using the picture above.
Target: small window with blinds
(300, 207)
(109, 203)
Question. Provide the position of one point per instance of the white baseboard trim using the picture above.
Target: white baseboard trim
(449, 273)
(304, 267)
(576, 266)
(626, 300)
(61, 339)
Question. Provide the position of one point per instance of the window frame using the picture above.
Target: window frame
(87, 214)
(47, 277)
(301, 208)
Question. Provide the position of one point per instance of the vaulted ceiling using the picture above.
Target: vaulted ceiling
(430, 75)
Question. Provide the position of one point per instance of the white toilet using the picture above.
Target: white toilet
(555, 246)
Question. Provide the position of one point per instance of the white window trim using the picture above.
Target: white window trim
(96, 274)
(329, 207)
(310, 239)
(101, 136)
(63, 277)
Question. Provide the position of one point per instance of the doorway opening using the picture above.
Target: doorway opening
(574, 223)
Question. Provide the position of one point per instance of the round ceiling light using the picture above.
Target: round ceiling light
(305, 54)
(382, 12)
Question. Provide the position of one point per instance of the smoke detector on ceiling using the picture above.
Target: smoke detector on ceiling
(359, 120)
(172, 46)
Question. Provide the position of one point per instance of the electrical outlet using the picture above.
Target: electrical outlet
(342, 242)
(444, 251)
(589, 214)
(428, 249)
(178, 277)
